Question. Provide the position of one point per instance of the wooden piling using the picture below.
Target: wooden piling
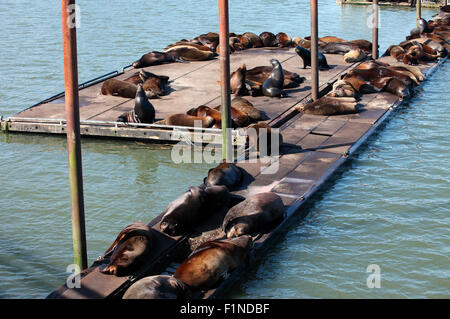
(314, 51)
(224, 58)
(375, 29)
(73, 131)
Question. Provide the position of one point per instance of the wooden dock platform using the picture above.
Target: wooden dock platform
(295, 175)
(191, 84)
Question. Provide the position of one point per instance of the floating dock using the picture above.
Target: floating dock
(191, 84)
(325, 143)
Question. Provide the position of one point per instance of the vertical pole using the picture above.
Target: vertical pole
(314, 51)
(224, 59)
(73, 131)
(375, 29)
(418, 11)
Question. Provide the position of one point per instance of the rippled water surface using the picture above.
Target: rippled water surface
(389, 206)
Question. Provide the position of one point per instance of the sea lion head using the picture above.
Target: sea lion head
(302, 52)
(398, 88)
(170, 228)
(237, 230)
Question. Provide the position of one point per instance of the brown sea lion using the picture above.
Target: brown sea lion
(268, 39)
(327, 105)
(204, 111)
(362, 44)
(191, 53)
(253, 215)
(239, 118)
(331, 39)
(283, 40)
(227, 174)
(343, 89)
(210, 39)
(123, 89)
(414, 55)
(186, 44)
(371, 64)
(187, 120)
(213, 260)
(354, 56)
(336, 47)
(250, 40)
(397, 87)
(157, 287)
(413, 69)
(129, 249)
(262, 139)
(247, 108)
(155, 58)
(237, 81)
(193, 206)
(301, 42)
(359, 84)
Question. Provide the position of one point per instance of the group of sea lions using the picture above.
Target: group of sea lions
(427, 42)
(210, 261)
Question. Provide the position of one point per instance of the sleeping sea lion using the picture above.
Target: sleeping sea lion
(353, 56)
(157, 287)
(301, 42)
(283, 40)
(186, 44)
(336, 47)
(123, 89)
(327, 105)
(204, 111)
(331, 39)
(129, 249)
(238, 118)
(343, 89)
(259, 74)
(268, 39)
(273, 86)
(187, 53)
(305, 54)
(253, 215)
(155, 58)
(362, 44)
(196, 204)
(397, 87)
(250, 40)
(187, 120)
(227, 174)
(213, 260)
(247, 108)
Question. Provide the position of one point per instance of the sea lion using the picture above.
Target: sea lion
(283, 40)
(336, 47)
(395, 51)
(247, 108)
(155, 58)
(237, 81)
(413, 69)
(259, 74)
(238, 118)
(305, 54)
(397, 87)
(414, 54)
(187, 120)
(422, 26)
(253, 215)
(129, 249)
(227, 174)
(204, 111)
(157, 287)
(371, 64)
(187, 53)
(362, 44)
(273, 86)
(353, 56)
(301, 42)
(213, 260)
(359, 84)
(331, 39)
(123, 89)
(268, 39)
(143, 111)
(186, 44)
(262, 138)
(327, 105)
(343, 89)
(191, 207)
(250, 40)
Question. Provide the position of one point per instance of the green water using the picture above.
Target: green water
(389, 206)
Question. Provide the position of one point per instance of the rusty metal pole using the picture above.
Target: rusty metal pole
(375, 13)
(418, 11)
(314, 51)
(224, 59)
(73, 131)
